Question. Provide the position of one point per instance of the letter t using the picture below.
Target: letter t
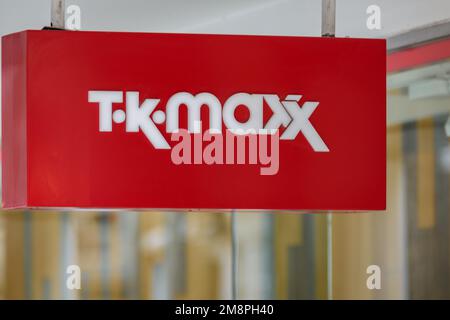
(105, 99)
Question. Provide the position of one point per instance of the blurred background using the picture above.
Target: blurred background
(280, 255)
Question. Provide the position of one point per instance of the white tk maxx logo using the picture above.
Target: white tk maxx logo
(143, 117)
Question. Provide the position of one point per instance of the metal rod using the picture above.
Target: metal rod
(58, 14)
(328, 18)
(234, 256)
(329, 255)
(329, 30)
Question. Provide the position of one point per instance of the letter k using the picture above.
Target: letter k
(138, 117)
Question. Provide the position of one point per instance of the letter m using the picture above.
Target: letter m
(194, 104)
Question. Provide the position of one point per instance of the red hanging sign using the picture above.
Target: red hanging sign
(179, 121)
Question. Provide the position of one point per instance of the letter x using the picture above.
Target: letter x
(300, 122)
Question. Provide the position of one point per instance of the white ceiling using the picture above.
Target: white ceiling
(277, 17)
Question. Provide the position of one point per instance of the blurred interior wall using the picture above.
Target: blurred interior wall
(156, 255)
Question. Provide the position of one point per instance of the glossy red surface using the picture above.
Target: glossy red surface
(49, 125)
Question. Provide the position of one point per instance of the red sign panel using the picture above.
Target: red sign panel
(135, 120)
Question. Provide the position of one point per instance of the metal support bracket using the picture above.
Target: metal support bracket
(58, 9)
(328, 18)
